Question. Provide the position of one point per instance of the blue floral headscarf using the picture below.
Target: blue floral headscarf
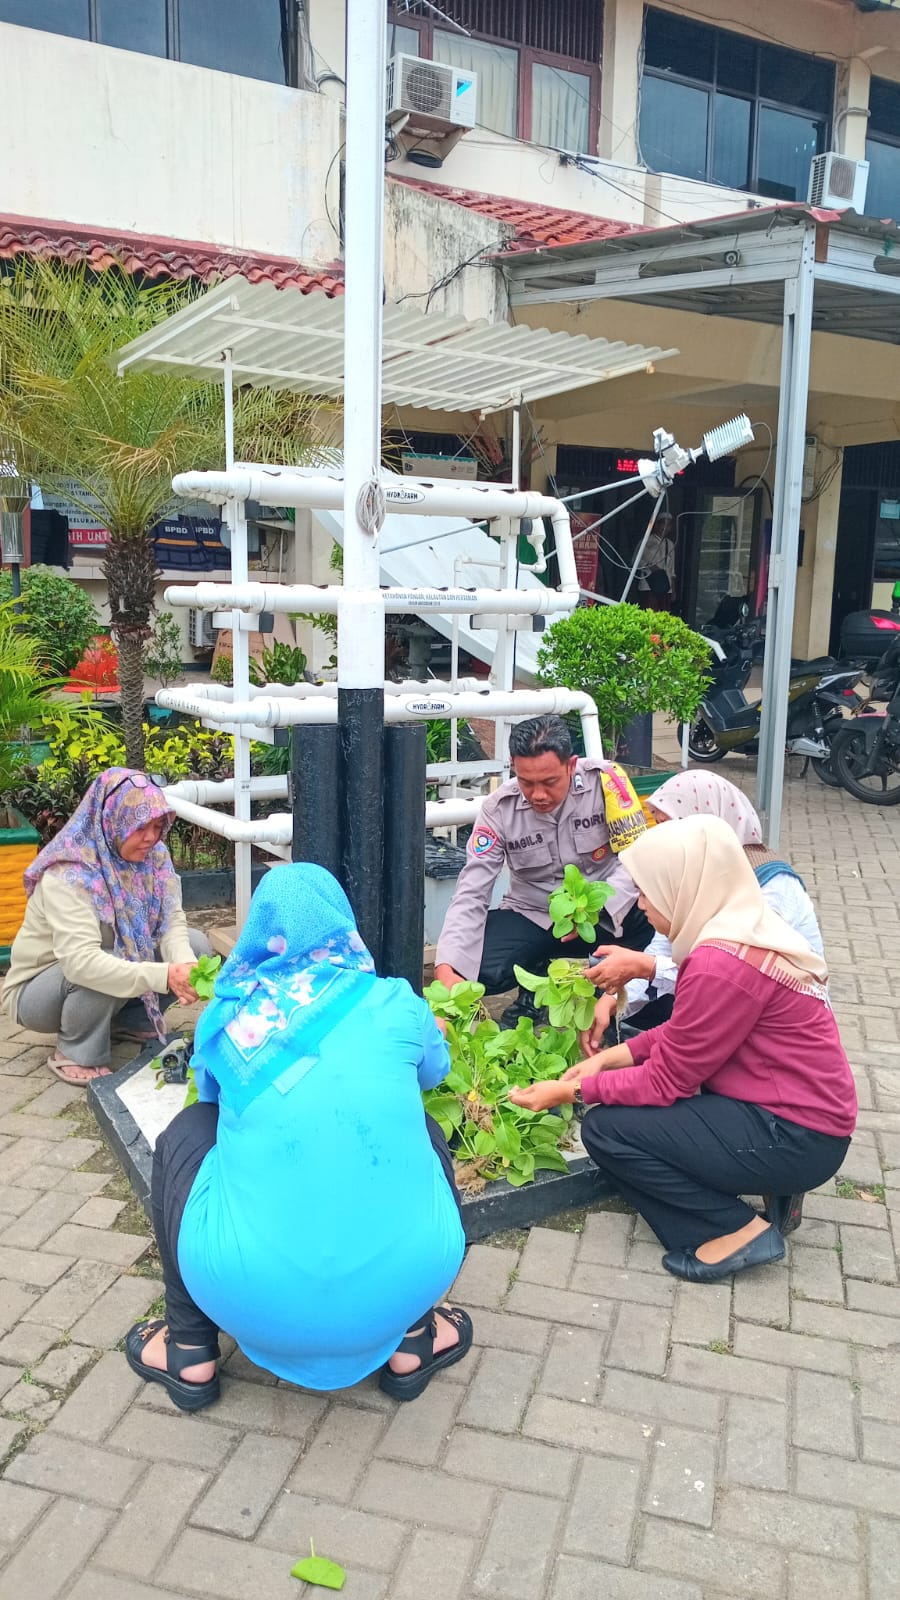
(298, 967)
(138, 899)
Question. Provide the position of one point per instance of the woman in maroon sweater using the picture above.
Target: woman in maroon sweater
(752, 1029)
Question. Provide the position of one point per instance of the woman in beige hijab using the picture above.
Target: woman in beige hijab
(752, 1030)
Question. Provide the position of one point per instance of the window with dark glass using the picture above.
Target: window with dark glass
(721, 108)
(251, 38)
(71, 17)
(883, 149)
(538, 64)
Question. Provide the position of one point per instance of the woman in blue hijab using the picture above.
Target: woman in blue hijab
(306, 1204)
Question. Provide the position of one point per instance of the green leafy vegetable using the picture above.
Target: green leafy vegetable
(490, 1137)
(190, 1098)
(203, 975)
(576, 906)
(318, 1570)
(568, 996)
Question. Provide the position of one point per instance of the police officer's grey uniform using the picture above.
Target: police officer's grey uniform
(479, 943)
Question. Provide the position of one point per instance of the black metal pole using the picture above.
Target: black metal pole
(404, 852)
(361, 728)
(316, 773)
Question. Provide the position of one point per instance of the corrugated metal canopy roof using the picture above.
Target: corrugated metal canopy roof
(287, 340)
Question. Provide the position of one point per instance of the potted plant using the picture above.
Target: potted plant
(631, 663)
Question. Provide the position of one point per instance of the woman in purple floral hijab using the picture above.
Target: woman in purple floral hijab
(104, 926)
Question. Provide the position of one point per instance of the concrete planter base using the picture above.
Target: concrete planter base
(497, 1207)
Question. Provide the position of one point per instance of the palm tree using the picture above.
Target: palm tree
(70, 423)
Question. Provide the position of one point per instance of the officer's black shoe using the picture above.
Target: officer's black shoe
(523, 1006)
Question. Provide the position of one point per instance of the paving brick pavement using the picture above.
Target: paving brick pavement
(614, 1436)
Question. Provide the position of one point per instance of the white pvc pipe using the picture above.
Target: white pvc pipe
(271, 712)
(209, 792)
(455, 813)
(286, 486)
(361, 627)
(276, 829)
(289, 597)
(205, 690)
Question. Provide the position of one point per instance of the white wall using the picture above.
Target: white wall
(114, 139)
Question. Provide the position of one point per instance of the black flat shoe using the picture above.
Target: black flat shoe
(762, 1250)
(409, 1385)
(784, 1211)
(186, 1396)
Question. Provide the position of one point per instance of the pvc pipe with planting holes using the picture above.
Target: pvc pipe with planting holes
(224, 693)
(267, 711)
(287, 598)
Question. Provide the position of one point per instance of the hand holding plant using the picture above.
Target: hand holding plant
(203, 976)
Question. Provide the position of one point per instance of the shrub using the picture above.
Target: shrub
(629, 661)
(60, 616)
(162, 651)
(279, 663)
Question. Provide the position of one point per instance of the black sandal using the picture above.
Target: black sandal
(187, 1396)
(409, 1385)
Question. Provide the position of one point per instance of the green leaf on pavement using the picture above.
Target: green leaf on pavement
(318, 1570)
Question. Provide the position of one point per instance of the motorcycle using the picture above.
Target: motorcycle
(865, 751)
(820, 691)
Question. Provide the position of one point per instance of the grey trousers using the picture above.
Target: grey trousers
(82, 1018)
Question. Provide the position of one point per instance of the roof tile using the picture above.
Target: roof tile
(159, 258)
(535, 225)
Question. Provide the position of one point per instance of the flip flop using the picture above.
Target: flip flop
(187, 1396)
(61, 1066)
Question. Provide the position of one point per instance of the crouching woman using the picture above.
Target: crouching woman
(306, 1204)
(752, 1029)
(104, 944)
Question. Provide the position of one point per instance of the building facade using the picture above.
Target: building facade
(208, 133)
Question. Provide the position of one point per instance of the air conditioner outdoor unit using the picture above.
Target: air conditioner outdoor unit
(203, 634)
(436, 98)
(837, 183)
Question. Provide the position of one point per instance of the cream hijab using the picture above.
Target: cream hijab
(696, 873)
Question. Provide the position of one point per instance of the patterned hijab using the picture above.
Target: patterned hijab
(697, 875)
(136, 898)
(705, 794)
(297, 969)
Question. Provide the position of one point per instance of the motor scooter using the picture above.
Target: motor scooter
(819, 694)
(865, 750)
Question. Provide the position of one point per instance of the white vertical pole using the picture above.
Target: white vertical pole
(361, 622)
(240, 650)
(796, 339)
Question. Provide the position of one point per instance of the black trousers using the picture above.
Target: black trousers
(683, 1167)
(179, 1154)
(511, 939)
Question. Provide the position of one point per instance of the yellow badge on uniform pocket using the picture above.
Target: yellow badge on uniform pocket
(624, 813)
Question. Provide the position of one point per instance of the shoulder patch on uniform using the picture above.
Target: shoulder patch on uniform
(482, 840)
(577, 783)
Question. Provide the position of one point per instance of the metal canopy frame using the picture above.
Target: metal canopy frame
(810, 270)
(291, 340)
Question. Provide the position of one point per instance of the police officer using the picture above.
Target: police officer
(550, 814)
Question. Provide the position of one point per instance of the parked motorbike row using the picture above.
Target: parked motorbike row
(849, 739)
